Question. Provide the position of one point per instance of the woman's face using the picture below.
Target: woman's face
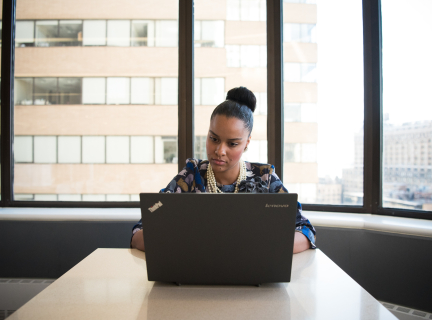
(226, 140)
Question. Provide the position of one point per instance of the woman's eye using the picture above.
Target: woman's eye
(234, 144)
(212, 138)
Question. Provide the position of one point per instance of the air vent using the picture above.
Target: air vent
(412, 313)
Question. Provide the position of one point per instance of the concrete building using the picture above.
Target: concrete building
(96, 92)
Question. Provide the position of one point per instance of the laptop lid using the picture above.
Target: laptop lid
(219, 238)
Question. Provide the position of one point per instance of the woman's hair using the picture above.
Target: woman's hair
(240, 103)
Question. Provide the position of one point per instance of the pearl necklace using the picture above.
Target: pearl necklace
(211, 180)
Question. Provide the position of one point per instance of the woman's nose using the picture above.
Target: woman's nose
(220, 150)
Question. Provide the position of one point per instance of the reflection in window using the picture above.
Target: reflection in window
(70, 33)
(47, 33)
(209, 33)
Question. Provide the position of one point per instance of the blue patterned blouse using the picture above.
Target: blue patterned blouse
(193, 179)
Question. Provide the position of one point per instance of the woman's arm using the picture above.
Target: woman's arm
(138, 240)
(301, 243)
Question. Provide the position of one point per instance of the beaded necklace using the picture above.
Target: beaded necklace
(211, 180)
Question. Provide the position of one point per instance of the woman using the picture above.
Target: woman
(229, 136)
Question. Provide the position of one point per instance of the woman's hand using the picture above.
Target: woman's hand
(138, 240)
(301, 243)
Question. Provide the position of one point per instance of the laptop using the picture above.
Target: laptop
(233, 239)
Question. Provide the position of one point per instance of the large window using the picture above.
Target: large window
(407, 119)
(97, 121)
(323, 109)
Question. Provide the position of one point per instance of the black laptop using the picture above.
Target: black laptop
(219, 238)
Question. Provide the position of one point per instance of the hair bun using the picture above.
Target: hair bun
(243, 96)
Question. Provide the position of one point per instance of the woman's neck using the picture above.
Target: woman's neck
(227, 177)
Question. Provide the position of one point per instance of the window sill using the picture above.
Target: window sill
(407, 226)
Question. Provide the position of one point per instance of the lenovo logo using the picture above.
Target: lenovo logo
(155, 206)
(277, 205)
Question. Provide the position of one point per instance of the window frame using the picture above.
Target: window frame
(373, 125)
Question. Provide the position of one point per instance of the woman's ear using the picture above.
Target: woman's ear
(248, 141)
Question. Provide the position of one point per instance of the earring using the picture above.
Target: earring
(245, 149)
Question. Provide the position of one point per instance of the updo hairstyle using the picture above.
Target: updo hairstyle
(240, 103)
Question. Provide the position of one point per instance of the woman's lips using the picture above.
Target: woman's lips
(218, 162)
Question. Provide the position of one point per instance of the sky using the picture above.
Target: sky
(407, 73)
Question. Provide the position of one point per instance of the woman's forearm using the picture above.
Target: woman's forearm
(138, 240)
(301, 243)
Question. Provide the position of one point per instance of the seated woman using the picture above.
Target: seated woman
(229, 136)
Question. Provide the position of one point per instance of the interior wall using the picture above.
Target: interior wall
(391, 267)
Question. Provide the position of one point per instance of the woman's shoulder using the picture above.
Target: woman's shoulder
(260, 169)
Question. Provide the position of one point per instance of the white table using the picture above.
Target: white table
(112, 284)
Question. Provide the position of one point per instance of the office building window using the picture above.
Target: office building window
(166, 33)
(166, 91)
(45, 91)
(299, 72)
(142, 91)
(23, 91)
(118, 197)
(209, 33)
(69, 149)
(300, 112)
(143, 33)
(24, 34)
(165, 150)
(142, 149)
(118, 33)
(261, 104)
(93, 90)
(93, 197)
(246, 56)
(246, 10)
(94, 33)
(300, 152)
(256, 152)
(212, 91)
(93, 149)
(69, 197)
(23, 149)
(70, 91)
(45, 149)
(47, 33)
(45, 197)
(70, 33)
(299, 32)
(200, 147)
(117, 149)
(118, 90)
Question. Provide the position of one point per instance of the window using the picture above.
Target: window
(23, 91)
(118, 90)
(47, 33)
(299, 72)
(70, 33)
(166, 91)
(143, 33)
(117, 149)
(70, 90)
(166, 33)
(299, 32)
(209, 33)
(246, 10)
(23, 149)
(118, 33)
(93, 91)
(165, 150)
(24, 36)
(45, 149)
(300, 112)
(407, 121)
(45, 91)
(94, 33)
(142, 149)
(142, 91)
(69, 149)
(93, 149)
(212, 91)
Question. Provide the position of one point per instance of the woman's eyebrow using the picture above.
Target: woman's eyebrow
(227, 139)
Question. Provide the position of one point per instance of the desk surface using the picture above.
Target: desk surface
(112, 284)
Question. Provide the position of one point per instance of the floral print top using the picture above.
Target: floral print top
(193, 179)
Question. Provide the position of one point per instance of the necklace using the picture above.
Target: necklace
(211, 180)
